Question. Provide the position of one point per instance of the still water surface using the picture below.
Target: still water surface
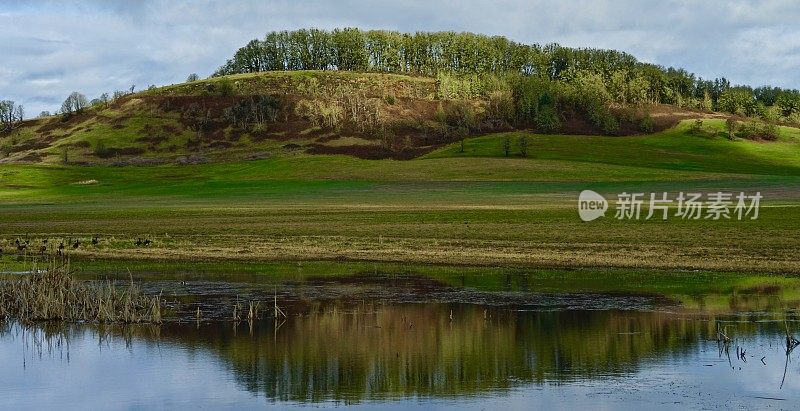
(367, 350)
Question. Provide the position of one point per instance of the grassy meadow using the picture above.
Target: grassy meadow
(475, 207)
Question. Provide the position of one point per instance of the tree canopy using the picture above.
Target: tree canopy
(623, 78)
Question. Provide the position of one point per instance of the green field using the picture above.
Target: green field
(475, 207)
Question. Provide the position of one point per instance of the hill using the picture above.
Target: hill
(259, 115)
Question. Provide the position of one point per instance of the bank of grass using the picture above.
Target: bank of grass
(545, 233)
(472, 208)
(677, 149)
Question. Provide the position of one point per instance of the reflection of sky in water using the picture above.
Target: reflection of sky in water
(173, 374)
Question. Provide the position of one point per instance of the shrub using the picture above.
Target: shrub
(646, 124)
(730, 127)
(547, 120)
(697, 127)
(225, 87)
(257, 109)
(320, 113)
(100, 149)
(608, 123)
(258, 128)
(459, 116)
(365, 113)
(758, 130)
(530, 96)
(388, 139)
(500, 106)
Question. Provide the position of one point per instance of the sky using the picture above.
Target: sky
(51, 48)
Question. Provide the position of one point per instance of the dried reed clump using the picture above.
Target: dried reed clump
(53, 294)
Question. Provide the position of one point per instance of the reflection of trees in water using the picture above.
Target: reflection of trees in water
(379, 351)
(386, 351)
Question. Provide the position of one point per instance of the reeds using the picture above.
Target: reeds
(53, 294)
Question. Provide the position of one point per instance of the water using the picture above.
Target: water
(421, 346)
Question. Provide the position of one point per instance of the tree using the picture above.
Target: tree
(192, 78)
(730, 126)
(74, 104)
(789, 103)
(507, 145)
(20, 113)
(10, 114)
(523, 146)
(44, 114)
(737, 100)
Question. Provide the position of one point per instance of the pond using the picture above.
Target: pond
(389, 340)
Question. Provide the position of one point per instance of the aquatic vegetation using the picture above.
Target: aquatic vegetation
(53, 293)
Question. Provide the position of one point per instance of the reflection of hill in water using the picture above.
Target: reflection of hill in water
(375, 352)
(385, 351)
(366, 351)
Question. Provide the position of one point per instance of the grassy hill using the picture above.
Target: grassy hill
(252, 116)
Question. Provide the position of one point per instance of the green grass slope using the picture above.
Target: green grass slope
(679, 148)
(553, 161)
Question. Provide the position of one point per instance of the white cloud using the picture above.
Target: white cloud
(51, 48)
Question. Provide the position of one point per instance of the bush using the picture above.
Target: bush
(388, 139)
(225, 87)
(500, 107)
(530, 96)
(100, 149)
(547, 120)
(730, 127)
(697, 127)
(608, 123)
(459, 116)
(646, 124)
(320, 113)
(758, 130)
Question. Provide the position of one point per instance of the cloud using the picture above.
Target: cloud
(51, 48)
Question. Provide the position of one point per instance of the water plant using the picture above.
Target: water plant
(52, 294)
